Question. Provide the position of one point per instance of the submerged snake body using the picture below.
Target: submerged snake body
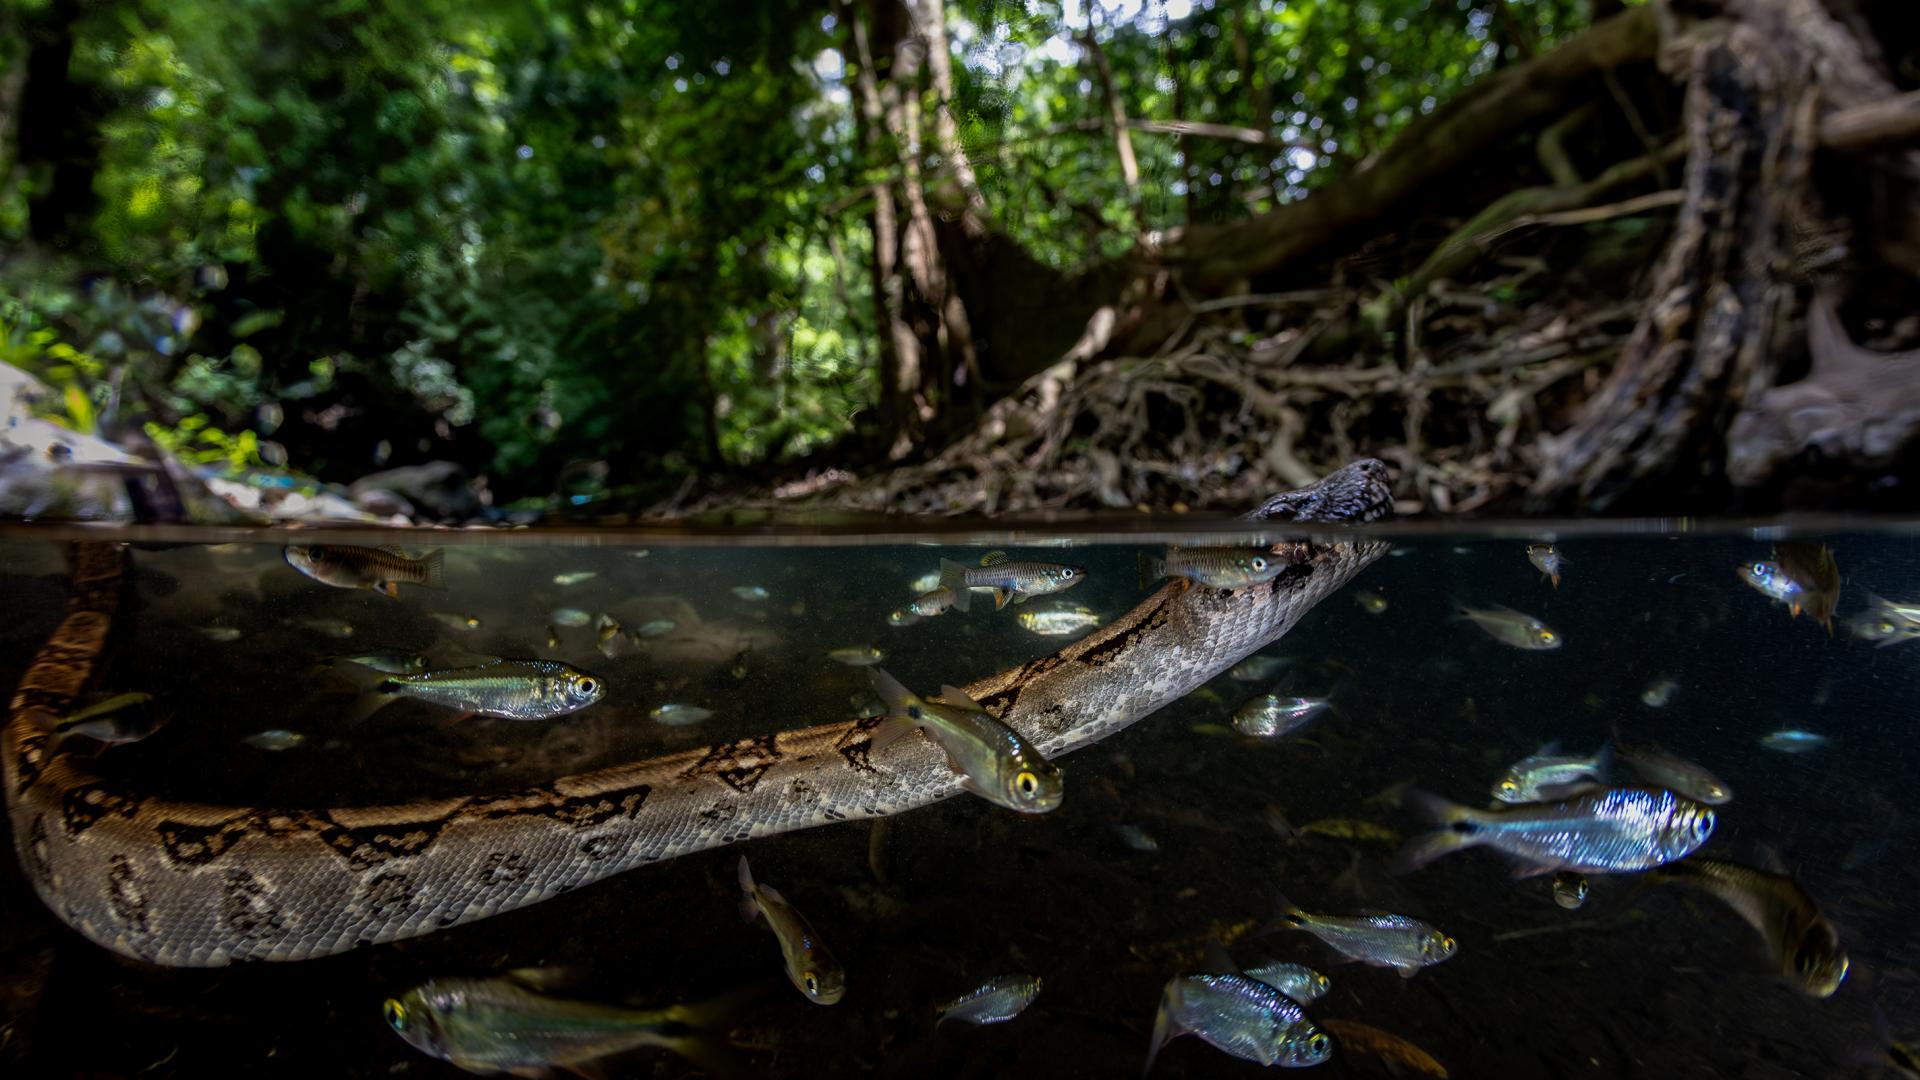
(186, 884)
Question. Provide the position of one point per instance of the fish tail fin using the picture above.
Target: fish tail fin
(1456, 831)
(1287, 915)
(1165, 1028)
(953, 576)
(1151, 570)
(1555, 578)
(433, 567)
(1602, 760)
(897, 699)
(705, 1042)
(1000, 598)
(749, 907)
(376, 690)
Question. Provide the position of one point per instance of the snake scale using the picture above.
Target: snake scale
(187, 884)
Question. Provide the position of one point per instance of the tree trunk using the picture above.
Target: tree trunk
(58, 132)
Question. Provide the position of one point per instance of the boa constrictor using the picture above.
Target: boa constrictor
(187, 884)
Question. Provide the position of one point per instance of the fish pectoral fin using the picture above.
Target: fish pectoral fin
(1000, 598)
(390, 588)
(890, 731)
(551, 979)
(1408, 972)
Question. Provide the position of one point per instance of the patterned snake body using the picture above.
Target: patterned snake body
(186, 884)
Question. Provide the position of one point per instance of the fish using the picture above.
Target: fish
(1401, 1057)
(1659, 693)
(221, 634)
(453, 620)
(1136, 838)
(1598, 830)
(1214, 567)
(1663, 768)
(754, 593)
(553, 637)
(274, 739)
(1793, 741)
(339, 629)
(1569, 889)
(994, 761)
(510, 1024)
(507, 689)
(654, 628)
(856, 655)
(575, 577)
(1009, 580)
(1258, 668)
(390, 663)
(381, 570)
(1801, 942)
(572, 616)
(1350, 829)
(1270, 715)
(675, 714)
(1547, 559)
(1297, 981)
(1059, 622)
(902, 617)
(1382, 939)
(1883, 627)
(109, 722)
(1370, 602)
(611, 641)
(1533, 778)
(737, 667)
(810, 967)
(925, 583)
(934, 601)
(1802, 576)
(1510, 627)
(1239, 1016)
(995, 1001)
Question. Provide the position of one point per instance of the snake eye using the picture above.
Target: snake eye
(1319, 1045)
(1026, 783)
(811, 981)
(396, 1014)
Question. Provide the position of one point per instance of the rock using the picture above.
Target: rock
(436, 489)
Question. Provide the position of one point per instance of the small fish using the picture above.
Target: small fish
(1016, 581)
(1136, 838)
(902, 617)
(1059, 622)
(508, 689)
(1802, 576)
(750, 592)
(1258, 668)
(221, 634)
(1883, 627)
(1804, 946)
(1297, 981)
(390, 663)
(1510, 627)
(339, 629)
(453, 620)
(1794, 741)
(1569, 889)
(925, 583)
(1659, 693)
(654, 628)
(1218, 568)
(1270, 715)
(1662, 768)
(675, 714)
(1350, 829)
(1212, 729)
(510, 1025)
(810, 967)
(934, 601)
(1400, 1057)
(612, 641)
(572, 616)
(379, 569)
(553, 637)
(1533, 778)
(1239, 1016)
(274, 739)
(1370, 602)
(995, 1001)
(856, 655)
(737, 667)
(1596, 831)
(994, 761)
(575, 577)
(108, 722)
(1401, 942)
(1547, 559)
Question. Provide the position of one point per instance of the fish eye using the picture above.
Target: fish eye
(914, 713)
(1068, 571)
(1319, 1045)
(1548, 635)
(1322, 982)
(1703, 824)
(396, 1014)
(1509, 786)
(1258, 564)
(811, 981)
(585, 684)
(1447, 944)
(1026, 782)
(1760, 569)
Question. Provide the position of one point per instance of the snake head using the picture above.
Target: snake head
(1358, 493)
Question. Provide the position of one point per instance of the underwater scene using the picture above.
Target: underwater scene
(1635, 800)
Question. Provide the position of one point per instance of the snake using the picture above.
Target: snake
(184, 884)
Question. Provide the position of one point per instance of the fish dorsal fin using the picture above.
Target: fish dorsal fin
(397, 551)
(1548, 749)
(956, 697)
(1217, 959)
(553, 979)
(992, 558)
(1771, 861)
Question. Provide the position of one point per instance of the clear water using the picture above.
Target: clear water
(1642, 981)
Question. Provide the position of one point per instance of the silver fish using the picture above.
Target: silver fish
(339, 629)
(810, 967)
(1297, 981)
(1668, 770)
(1793, 741)
(572, 616)
(755, 593)
(1659, 693)
(1536, 777)
(1510, 627)
(454, 620)
(1219, 568)
(508, 689)
(856, 655)
(654, 628)
(1599, 830)
(995, 762)
(1370, 602)
(1009, 580)
(109, 722)
(1059, 622)
(1239, 1016)
(674, 714)
(902, 617)
(274, 739)
(925, 583)
(1136, 838)
(1569, 889)
(222, 634)
(1258, 668)
(1804, 946)
(995, 1001)
(575, 577)
(1270, 715)
(391, 663)
(934, 601)
(1400, 942)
